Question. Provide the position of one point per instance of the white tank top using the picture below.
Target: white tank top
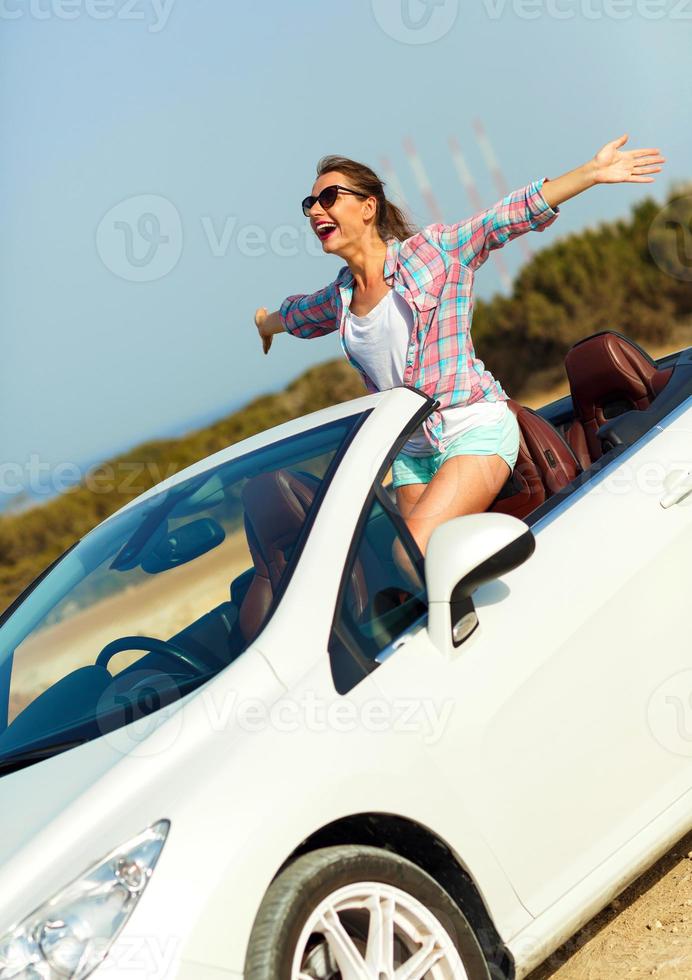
(379, 341)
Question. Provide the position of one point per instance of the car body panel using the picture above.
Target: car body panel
(607, 640)
(564, 918)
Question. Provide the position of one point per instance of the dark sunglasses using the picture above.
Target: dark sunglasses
(327, 197)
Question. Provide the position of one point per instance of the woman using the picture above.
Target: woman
(403, 306)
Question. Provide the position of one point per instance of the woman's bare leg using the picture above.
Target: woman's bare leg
(462, 485)
(406, 498)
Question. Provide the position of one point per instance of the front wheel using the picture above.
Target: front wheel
(356, 913)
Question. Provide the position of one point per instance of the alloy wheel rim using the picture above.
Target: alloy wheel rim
(371, 930)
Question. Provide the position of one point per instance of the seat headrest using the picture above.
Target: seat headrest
(276, 505)
(608, 375)
(607, 368)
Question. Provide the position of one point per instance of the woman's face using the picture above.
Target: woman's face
(344, 222)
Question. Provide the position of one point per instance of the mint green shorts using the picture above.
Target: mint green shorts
(483, 440)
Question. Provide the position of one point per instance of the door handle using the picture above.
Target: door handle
(680, 489)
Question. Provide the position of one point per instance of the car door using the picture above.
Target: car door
(571, 730)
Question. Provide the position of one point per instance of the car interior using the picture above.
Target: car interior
(617, 393)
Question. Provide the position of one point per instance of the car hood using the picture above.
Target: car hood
(82, 801)
(31, 797)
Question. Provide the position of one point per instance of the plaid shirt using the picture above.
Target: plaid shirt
(433, 270)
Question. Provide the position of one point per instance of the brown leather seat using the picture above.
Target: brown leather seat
(545, 465)
(276, 506)
(608, 375)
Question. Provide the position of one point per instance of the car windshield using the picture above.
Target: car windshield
(160, 597)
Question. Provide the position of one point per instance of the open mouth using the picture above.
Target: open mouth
(325, 229)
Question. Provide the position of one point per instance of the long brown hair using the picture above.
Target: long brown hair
(390, 221)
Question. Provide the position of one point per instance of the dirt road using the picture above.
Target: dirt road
(646, 931)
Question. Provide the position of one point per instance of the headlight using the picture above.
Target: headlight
(68, 936)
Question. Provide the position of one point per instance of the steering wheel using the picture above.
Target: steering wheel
(152, 645)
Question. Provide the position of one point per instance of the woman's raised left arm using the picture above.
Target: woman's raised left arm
(610, 165)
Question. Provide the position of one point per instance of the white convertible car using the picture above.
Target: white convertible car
(236, 740)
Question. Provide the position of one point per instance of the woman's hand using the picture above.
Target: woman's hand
(265, 333)
(611, 165)
(614, 166)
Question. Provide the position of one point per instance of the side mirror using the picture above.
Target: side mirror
(462, 555)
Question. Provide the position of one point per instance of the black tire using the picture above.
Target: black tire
(299, 889)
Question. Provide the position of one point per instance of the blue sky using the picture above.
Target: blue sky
(189, 130)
